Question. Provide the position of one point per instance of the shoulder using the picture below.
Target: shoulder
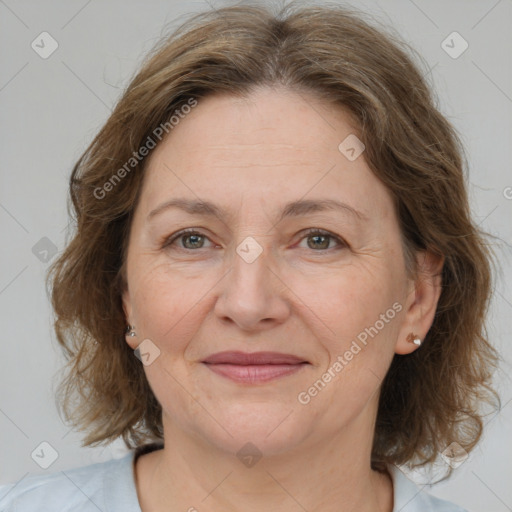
(106, 486)
(409, 497)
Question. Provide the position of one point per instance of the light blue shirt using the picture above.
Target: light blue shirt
(110, 487)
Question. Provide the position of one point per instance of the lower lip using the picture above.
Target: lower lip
(254, 373)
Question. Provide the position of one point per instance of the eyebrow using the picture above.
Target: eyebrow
(291, 209)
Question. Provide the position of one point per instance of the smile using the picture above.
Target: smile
(254, 367)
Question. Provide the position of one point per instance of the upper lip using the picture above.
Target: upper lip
(253, 358)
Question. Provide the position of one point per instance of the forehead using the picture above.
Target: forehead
(273, 120)
(274, 145)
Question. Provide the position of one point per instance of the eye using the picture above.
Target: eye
(195, 238)
(321, 239)
(192, 239)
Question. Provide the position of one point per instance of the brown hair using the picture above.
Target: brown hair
(429, 398)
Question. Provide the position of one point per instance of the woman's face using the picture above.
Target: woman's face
(252, 279)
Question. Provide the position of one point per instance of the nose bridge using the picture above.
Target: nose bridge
(252, 257)
(251, 294)
(251, 274)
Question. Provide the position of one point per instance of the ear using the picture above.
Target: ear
(422, 298)
(128, 314)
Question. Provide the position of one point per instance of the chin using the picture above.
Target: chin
(266, 427)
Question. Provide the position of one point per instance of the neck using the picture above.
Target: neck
(317, 475)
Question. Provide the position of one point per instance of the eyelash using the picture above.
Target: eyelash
(309, 232)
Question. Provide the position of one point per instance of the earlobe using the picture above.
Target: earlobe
(422, 306)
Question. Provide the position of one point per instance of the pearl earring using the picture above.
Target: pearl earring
(412, 338)
(130, 331)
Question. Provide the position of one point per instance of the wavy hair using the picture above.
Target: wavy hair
(429, 398)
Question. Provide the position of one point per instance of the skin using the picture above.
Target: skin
(302, 295)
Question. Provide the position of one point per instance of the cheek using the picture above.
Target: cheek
(167, 304)
(347, 300)
(360, 313)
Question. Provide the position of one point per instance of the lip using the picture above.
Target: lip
(255, 367)
(253, 358)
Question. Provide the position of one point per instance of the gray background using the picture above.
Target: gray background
(50, 110)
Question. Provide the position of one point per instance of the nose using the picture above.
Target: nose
(253, 295)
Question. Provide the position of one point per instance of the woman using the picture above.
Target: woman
(275, 294)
